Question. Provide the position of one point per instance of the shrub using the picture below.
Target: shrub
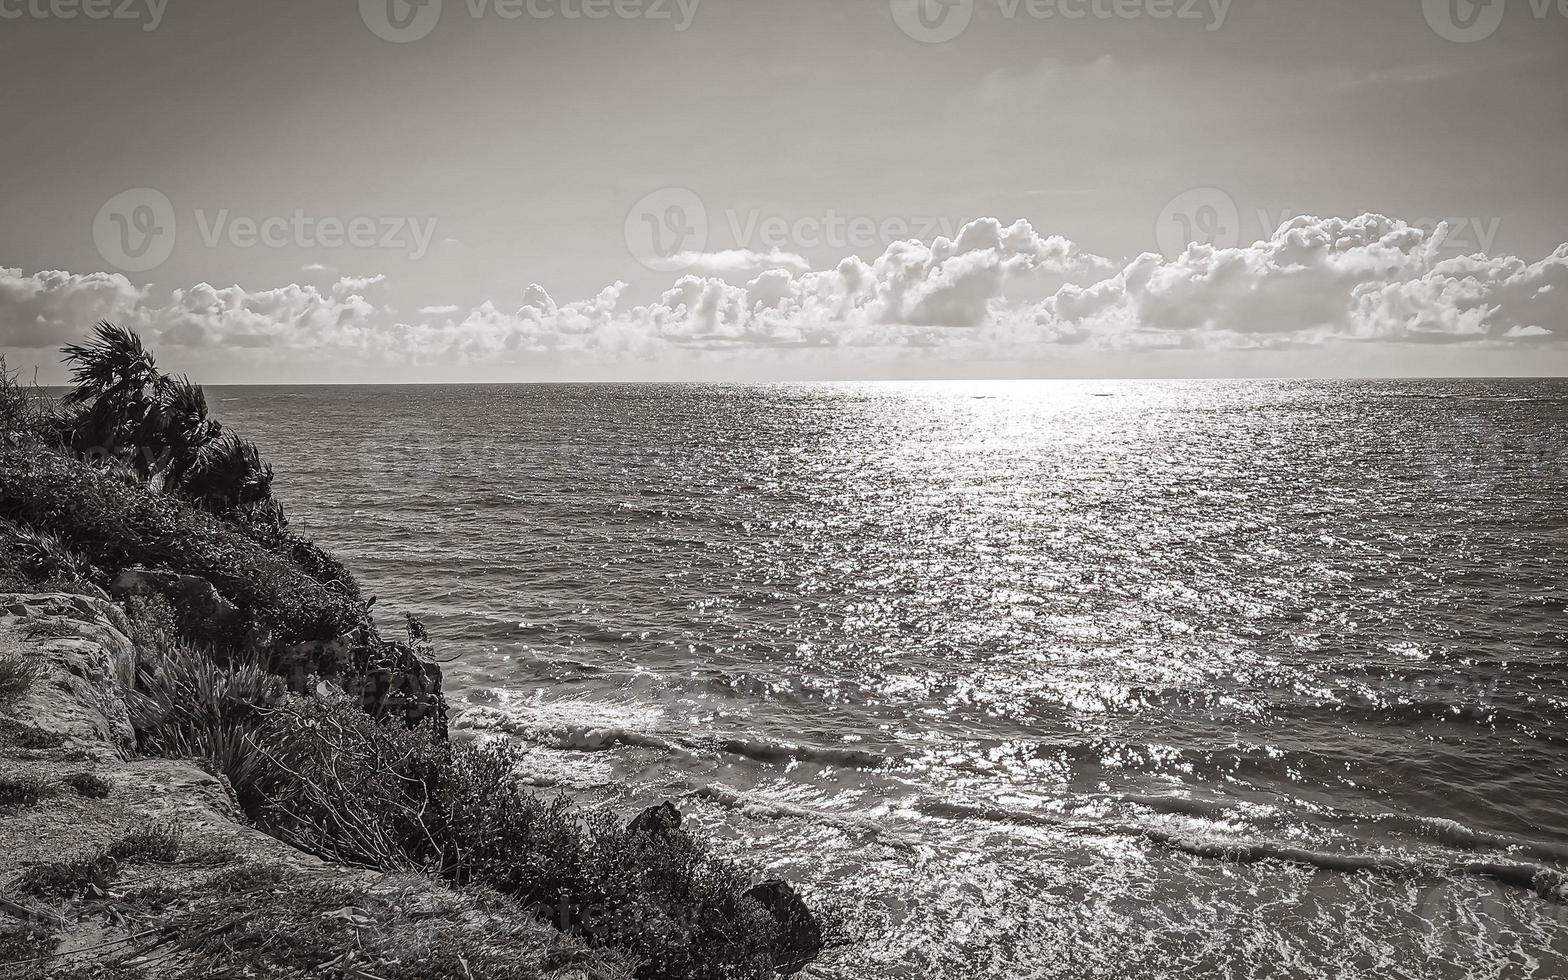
(42, 556)
(347, 787)
(326, 777)
(114, 526)
(17, 674)
(664, 898)
(26, 410)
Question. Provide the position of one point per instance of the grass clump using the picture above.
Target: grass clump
(92, 874)
(69, 878)
(22, 788)
(157, 843)
(89, 784)
(17, 674)
(24, 736)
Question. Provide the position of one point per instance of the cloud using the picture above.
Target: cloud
(47, 309)
(738, 261)
(314, 267)
(1318, 280)
(1315, 282)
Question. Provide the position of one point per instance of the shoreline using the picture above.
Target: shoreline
(192, 693)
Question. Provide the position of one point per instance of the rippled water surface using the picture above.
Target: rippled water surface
(1022, 679)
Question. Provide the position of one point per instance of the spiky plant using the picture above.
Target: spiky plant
(42, 555)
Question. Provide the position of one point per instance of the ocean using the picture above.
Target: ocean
(1014, 679)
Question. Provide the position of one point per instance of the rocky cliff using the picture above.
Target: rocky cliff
(113, 865)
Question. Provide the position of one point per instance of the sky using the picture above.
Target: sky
(752, 190)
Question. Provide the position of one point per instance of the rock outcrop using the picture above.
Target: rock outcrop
(656, 821)
(202, 610)
(73, 796)
(800, 935)
(80, 644)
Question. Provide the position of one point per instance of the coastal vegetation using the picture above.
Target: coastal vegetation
(257, 656)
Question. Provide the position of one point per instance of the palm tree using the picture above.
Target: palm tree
(128, 413)
(127, 408)
(228, 475)
(177, 430)
(112, 384)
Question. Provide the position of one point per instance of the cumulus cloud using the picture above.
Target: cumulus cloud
(46, 309)
(1316, 281)
(738, 261)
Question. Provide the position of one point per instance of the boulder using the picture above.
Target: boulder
(80, 644)
(328, 658)
(200, 608)
(800, 935)
(656, 821)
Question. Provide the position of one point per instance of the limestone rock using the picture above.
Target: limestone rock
(656, 821)
(88, 660)
(202, 610)
(800, 935)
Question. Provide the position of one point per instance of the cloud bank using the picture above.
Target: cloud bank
(1314, 282)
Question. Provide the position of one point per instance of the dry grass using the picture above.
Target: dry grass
(269, 921)
(17, 674)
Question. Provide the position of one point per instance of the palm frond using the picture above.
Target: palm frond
(114, 359)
